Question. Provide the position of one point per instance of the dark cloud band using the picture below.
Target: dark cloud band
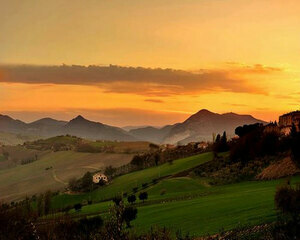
(136, 80)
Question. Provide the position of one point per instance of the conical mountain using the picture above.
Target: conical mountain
(84, 128)
(203, 124)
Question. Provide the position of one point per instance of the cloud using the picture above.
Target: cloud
(252, 69)
(137, 80)
(154, 100)
(236, 104)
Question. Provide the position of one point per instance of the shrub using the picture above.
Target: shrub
(77, 207)
(143, 196)
(287, 200)
(131, 198)
(117, 200)
(129, 214)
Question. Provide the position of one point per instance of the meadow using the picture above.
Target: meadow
(187, 203)
(126, 183)
(193, 207)
(52, 171)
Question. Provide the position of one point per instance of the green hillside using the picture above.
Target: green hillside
(246, 203)
(126, 183)
(192, 206)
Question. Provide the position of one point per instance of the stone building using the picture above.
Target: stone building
(287, 120)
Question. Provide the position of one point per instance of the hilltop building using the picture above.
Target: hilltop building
(272, 127)
(286, 122)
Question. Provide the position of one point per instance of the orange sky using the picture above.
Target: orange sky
(243, 56)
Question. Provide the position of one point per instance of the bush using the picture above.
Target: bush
(287, 200)
(143, 196)
(117, 200)
(77, 207)
(129, 214)
(84, 184)
(131, 198)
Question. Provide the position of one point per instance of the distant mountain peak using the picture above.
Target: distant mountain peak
(79, 117)
(203, 113)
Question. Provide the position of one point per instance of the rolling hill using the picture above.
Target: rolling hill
(198, 127)
(151, 134)
(78, 126)
(201, 126)
(82, 127)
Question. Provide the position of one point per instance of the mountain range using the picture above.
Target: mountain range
(198, 127)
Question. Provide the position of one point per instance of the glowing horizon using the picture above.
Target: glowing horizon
(226, 56)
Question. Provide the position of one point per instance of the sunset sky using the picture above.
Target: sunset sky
(153, 61)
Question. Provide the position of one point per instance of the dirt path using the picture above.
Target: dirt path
(57, 179)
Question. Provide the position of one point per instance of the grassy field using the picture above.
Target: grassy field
(193, 207)
(221, 207)
(126, 183)
(26, 180)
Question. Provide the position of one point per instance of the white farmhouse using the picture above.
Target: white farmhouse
(99, 177)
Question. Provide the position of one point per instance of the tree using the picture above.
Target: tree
(224, 144)
(90, 225)
(128, 215)
(218, 138)
(87, 182)
(73, 184)
(77, 207)
(287, 200)
(137, 160)
(157, 159)
(293, 132)
(295, 144)
(117, 200)
(39, 204)
(143, 196)
(153, 147)
(221, 145)
(131, 198)
(47, 202)
(110, 171)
